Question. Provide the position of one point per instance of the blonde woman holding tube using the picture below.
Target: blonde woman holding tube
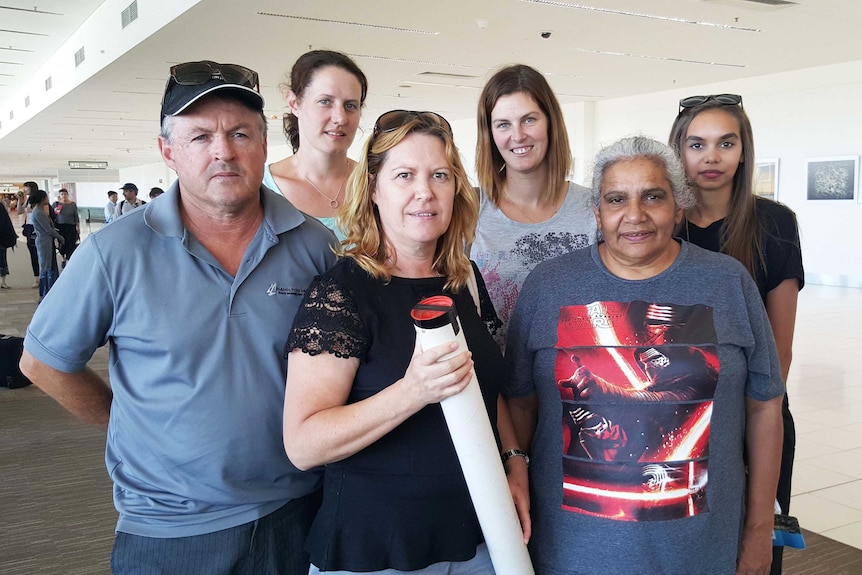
(362, 399)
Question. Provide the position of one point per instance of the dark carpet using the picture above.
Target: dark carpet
(822, 556)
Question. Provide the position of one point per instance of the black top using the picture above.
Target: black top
(8, 237)
(402, 502)
(779, 236)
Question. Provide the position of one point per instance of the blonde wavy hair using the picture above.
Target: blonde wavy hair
(359, 218)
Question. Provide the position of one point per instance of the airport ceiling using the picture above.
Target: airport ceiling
(417, 54)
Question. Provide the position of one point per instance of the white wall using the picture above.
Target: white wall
(148, 176)
(94, 194)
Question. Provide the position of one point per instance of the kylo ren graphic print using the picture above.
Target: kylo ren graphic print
(636, 381)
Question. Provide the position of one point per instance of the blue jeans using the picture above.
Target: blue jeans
(272, 545)
(46, 282)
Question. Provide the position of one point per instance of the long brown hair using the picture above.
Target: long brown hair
(359, 218)
(489, 161)
(301, 76)
(739, 235)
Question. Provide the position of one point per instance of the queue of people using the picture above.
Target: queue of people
(618, 361)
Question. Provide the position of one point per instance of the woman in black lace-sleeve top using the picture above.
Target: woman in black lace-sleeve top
(361, 399)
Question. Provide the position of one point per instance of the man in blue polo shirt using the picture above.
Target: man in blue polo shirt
(196, 309)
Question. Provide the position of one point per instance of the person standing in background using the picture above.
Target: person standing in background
(21, 209)
(8, 239)
(529, 211)
(111, 207)
(130, 199)
(45, 236)
(326, 94)
(29, 234)
(68, 223)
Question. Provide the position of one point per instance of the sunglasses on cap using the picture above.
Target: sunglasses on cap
(198, 73)
(723, 99)
(391, 121)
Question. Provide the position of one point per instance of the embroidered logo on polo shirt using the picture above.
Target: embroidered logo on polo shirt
(273, 289)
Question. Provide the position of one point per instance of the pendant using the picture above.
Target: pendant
(333, 204)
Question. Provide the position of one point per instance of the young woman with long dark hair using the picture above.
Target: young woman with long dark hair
(713, 137)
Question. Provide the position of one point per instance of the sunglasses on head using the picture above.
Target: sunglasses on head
(391, 121)
(723, 99)
(197, 73)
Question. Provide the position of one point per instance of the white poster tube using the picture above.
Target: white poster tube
(436, 322)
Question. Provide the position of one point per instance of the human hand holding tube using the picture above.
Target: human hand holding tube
(440, 372)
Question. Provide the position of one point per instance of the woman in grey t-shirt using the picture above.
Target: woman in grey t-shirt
(529, 212)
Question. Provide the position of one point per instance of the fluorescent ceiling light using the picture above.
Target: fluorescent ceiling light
(665, 58)
(344, 23)
(411, 61)
(638, 15)
(414, 83)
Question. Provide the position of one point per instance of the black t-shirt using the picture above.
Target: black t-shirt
(779, 236)
(402, 502)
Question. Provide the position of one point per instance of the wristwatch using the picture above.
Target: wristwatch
(507, 455)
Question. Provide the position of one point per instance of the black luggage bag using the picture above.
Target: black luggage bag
(11, 348)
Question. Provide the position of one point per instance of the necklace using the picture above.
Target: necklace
(522, 212)
(333, 202)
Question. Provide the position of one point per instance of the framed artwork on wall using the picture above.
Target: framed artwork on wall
(833, 178)
(766, 178)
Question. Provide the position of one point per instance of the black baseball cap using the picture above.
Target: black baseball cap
(191, 81)
(130, 186)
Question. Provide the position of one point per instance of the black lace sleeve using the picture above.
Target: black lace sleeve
(328, 321)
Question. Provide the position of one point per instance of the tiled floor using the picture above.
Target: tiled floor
(825, 389)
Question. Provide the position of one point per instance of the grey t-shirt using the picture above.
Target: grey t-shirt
(636, 463)
(506, 251)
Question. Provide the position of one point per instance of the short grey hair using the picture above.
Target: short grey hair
(167, 127)
(635, 147)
